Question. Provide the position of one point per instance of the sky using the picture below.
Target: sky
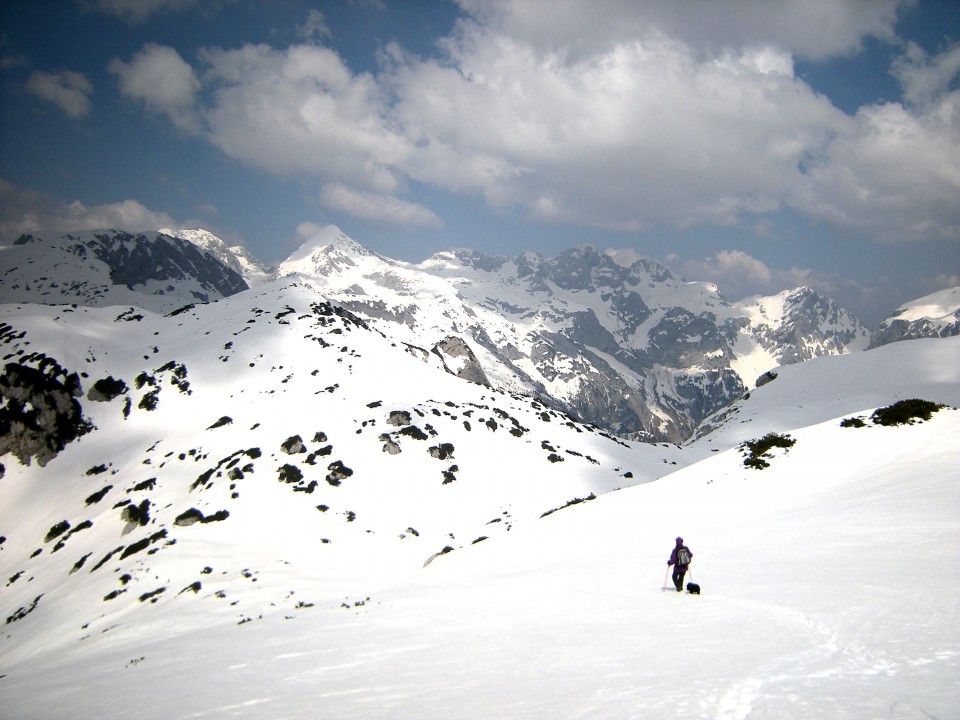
(758, 145)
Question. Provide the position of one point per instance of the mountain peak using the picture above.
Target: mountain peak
(327, 251)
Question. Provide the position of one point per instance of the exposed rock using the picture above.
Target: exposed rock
(39, 412)
(458, 359)
(767, 377)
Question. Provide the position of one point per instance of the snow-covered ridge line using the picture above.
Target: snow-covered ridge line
(934, 315)
(637, 350)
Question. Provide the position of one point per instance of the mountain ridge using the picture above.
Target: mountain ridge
(635, 349)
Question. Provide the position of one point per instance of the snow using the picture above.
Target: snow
(829, 587)
(823, 388)
(818, 601)
(939, 307)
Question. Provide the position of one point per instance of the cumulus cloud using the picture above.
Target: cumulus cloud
(26, 211)
(315, 27)
(644, 133)
(307, 230)
(739, 275)
(814, 30)
(382, 208)
(301, 110)
(163, 81)
(923, 78)
(895, 174)
(617, 115)
(70, 91)
(654, 124)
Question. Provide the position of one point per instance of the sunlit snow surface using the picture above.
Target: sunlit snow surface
(830, 582)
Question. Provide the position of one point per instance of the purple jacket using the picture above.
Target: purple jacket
(673, 555)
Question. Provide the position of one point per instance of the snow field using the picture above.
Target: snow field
(825, 595)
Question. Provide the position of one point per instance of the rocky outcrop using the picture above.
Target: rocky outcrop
(39, 411)
(458, 359)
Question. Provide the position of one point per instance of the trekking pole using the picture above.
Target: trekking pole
(666, 575)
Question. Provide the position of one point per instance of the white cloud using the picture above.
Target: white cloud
(307, 230)
(895, 175)
(23, 211)
(649, 122)
(163, 81)
(816, 30)
(68, 90)
(739, 274)
(301, 110)
(924, 79)
(382, 208)
(644, 133)
(315, 27)
(616, 115)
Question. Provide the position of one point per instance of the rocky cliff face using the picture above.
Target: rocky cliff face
(235, 257)
(151, 270)
(635, 349)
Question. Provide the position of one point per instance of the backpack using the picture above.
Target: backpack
(683, 556)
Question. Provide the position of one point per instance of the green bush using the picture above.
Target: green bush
(853, 422)
(757, 451)
(905, 412)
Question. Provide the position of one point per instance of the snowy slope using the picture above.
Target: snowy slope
(818, 601)
(829, 387)
(266, 450)
(934, 315)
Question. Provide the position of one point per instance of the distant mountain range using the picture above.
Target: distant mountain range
(636, 350)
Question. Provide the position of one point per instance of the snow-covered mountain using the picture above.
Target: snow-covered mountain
(638, 349)
(934, 315)
(236, 257)
(266, 506)
(151, 270)
(798, 325)
(263, 436)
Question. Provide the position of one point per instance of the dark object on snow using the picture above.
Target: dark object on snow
(693, 588)
(768, 376)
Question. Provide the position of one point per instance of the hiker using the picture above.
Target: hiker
(680, 559)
